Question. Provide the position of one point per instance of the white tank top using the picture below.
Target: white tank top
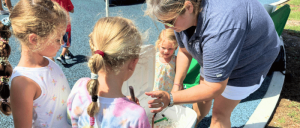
(50, 108)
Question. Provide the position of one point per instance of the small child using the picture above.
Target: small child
(39, 88)
(66, 54)
(98, 101)
(165, 61)
(5, 67)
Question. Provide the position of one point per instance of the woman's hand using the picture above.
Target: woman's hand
(136, 99)
(162, 100)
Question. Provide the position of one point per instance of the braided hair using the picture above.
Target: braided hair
(5, 67)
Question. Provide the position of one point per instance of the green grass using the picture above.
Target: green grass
(294, 15)
(292, 114)
(297, 119)
(281, 120)
(294, 2)
(293, 104)
(296, 28)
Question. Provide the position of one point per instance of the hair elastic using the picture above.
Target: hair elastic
(94, 76)
(4, 80)
(99, 52)
(94, 98)
(4, 61)
(2, 41)
(4, 100)
(92, 121)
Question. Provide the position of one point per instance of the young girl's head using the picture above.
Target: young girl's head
(114, 42)
(39, 25)
(166, 43)
(5, 67)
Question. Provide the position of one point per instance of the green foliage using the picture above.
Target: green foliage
(294, 2)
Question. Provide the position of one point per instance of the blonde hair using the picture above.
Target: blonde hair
(40, 17)
(120, 41)
(169, 9)
(166, 34)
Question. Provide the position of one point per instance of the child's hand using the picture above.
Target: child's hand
(177, 87)
(136, 99)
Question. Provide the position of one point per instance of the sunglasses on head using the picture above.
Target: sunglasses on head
(170, 23)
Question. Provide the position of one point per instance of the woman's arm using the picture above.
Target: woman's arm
(182, 65)
(205, 91)
(23, 92)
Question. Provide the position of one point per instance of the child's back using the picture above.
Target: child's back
(49, 109)
(99, 101)
(114, 112)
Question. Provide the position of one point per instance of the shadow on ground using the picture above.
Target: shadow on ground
(260, 93)
(76, 60)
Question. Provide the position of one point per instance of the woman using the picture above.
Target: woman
(234, 41)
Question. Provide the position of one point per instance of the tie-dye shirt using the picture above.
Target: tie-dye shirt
(113, 112)
(164, 74)
(49, 109)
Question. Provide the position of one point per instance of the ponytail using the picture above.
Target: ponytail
(119, 43)
(95, 63)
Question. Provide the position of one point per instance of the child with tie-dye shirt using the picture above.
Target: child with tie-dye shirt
(98, 101)
(39, 88)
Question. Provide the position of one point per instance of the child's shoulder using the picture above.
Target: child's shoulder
(132, 106)
(79, 89)
(81, 82)
(22, 81)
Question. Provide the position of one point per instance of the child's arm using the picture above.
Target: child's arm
(22, 93)
(74, 105)
(71, 7)
(181, 86)
(181, 68)
(175, 63)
